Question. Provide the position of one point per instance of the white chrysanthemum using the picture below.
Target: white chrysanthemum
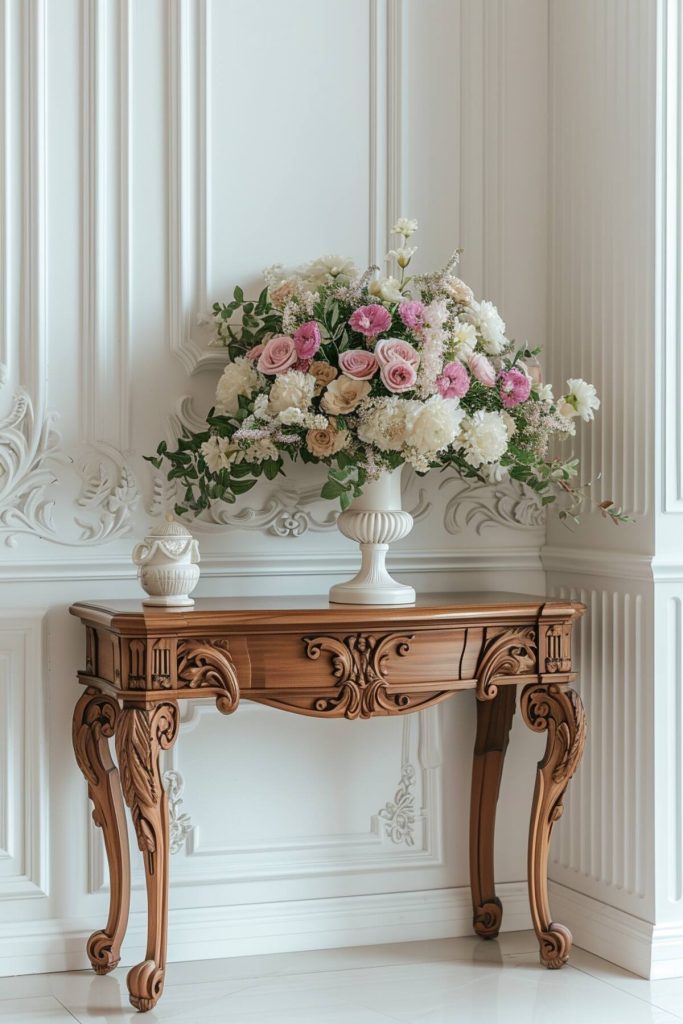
(382, 422)
(386, 288)
(238, 378)
(328, 269)
(293, 388)
(583, 398)
(484, 438)
(405, 226)
(491, 327)
(218, 453)
(463, 342)
(433, 425)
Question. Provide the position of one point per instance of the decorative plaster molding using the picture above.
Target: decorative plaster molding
(398, 815)
(509, 503)
(180, 823)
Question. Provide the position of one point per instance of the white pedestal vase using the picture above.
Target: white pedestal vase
(375, 520)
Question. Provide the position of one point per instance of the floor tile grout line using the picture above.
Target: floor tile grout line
(73, 1017)
(618, 988)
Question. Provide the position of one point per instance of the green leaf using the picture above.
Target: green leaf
(238, 294)
(333, 489)
(344, 500)
(241, 486)
(271, 468)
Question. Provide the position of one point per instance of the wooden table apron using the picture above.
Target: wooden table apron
(311, 658)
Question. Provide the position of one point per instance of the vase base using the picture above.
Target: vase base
(363, 593)
(181, 601)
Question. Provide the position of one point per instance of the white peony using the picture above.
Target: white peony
(583, 398)
(491, 327)
(405, 226)
(218, 453)
(433, 425)
(382, 422)
(463, 342)
(328, 269)
(238, 378)
(386, 288)
(484, 438)
(293, 388)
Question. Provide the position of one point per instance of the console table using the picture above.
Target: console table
(330, 661)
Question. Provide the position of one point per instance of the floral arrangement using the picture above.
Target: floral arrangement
(363, 373)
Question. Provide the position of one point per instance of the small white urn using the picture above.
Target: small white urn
(167, 565)
(375, 520)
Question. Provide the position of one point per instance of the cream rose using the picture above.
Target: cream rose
(326, 442)
(291, 389)
(343, 395)
(459, 291)
(323, 373)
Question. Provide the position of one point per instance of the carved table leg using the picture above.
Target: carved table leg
(494, 718)
(94, 723)
(559, 710)
(142, 734)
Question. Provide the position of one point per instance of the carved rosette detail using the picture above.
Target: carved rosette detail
(359, 664)
(141, 734)
(510, 653)
(207, 663)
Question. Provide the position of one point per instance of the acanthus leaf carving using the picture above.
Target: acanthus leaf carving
(508, 503)
(359, 664)
(206, 663)
(509, 653)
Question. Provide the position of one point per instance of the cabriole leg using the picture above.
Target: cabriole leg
(142, 734)
(94, 723)
(494, 718)
(558, 709)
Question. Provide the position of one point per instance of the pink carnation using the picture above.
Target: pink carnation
(370, 320)
(302, 365)
(279, 354)
(358, 363)
(412, 315)
(454, 382)
(482, 369)
(398, 375)
(515, 387)
(389, 349)
(307, 340)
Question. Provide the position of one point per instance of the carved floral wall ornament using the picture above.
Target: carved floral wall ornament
(474, 504)
(398, 815)
(510, 653)
(359, 664)
(180, 823)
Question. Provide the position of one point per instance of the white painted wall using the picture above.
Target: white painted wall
(156, 153)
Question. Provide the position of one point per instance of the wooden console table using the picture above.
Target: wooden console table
(330, 661)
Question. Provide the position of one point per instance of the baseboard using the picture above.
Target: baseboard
(207, 933)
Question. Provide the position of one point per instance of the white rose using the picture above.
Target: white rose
(293, 388)
(344, 394)
(484, 437)
(434, 424)
(238, 378)
(218, 453)
(491, 327)
(583, 398)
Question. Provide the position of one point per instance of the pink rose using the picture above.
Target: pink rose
(255, 352)
(483, 370)
(370, 320)
(454, 382)
(279, 354)
(307, 340)
(358, 364)
(389, 349)
(398, 375)
(412, 315)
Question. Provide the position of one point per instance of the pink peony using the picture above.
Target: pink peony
(398, 375)
(307, 340)
(515, 387)
(482, 369)
(358, 364)
(370, 320)
(389, 349)
(255, 352)
(279, 354)
(454, 382)
(412, 315)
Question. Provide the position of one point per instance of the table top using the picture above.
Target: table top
(268, 612)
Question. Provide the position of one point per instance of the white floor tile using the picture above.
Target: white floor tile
(44, 1010)
(667, 993)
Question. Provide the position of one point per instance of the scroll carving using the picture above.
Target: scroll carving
(557, 709)
(207, 663)
(359, 664)
(510, 653)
